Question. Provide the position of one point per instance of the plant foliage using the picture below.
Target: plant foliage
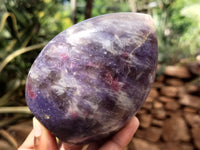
(25, 26)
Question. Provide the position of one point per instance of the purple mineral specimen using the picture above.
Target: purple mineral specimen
(92, 78)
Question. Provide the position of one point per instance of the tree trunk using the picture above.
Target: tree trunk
(73, 7)
(132, 5)
(88, 9)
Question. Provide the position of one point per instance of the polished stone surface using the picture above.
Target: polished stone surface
(92, 78)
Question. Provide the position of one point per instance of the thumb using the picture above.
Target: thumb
(43, 139)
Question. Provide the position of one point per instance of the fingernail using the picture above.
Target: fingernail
(37, 130)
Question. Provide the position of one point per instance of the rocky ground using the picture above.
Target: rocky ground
(169, 119)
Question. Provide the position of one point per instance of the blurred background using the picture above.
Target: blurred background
(170, 118)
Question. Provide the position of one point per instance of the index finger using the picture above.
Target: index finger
(28, 143)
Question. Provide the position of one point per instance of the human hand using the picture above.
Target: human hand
(41, 139)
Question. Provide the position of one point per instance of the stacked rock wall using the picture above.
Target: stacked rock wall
(170, 117)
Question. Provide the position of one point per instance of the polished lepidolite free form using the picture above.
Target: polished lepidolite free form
(92, 78)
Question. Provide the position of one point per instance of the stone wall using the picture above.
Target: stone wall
(170, 117)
